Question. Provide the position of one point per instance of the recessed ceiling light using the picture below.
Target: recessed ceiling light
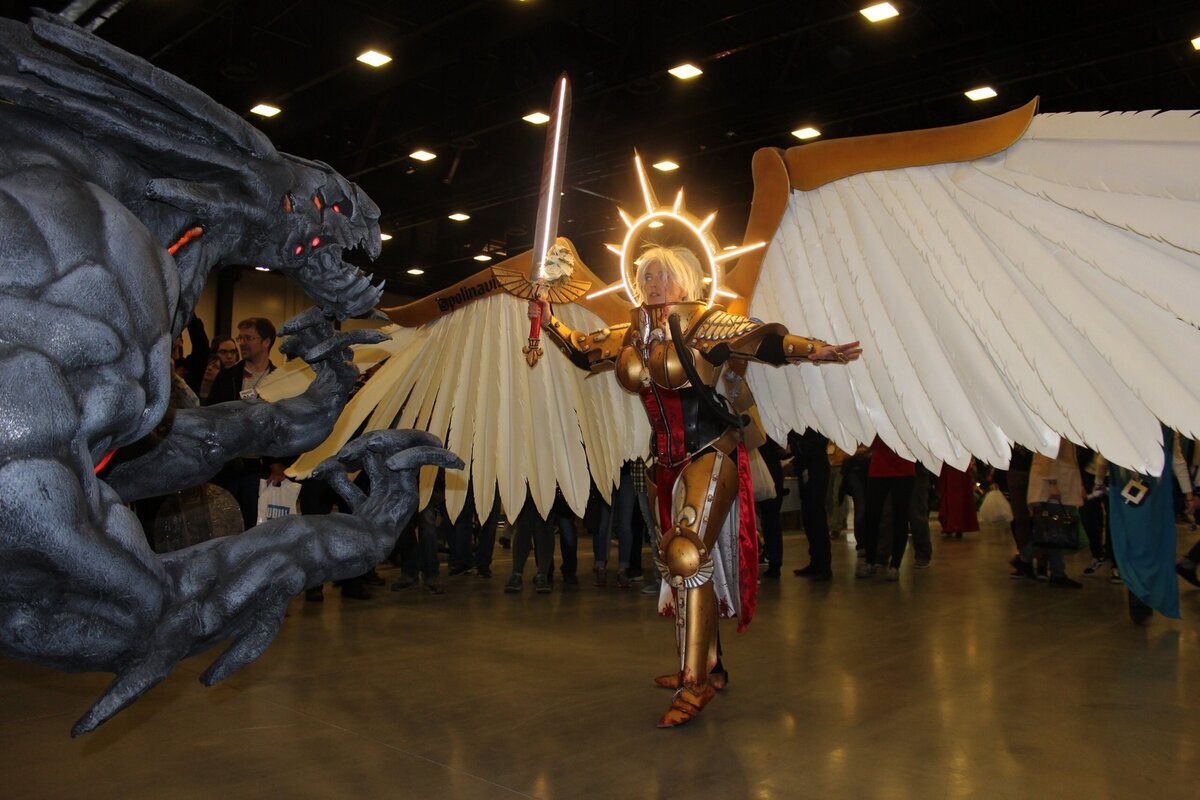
(806, 133)
(483, 257)
(263, 269)
(385, 237)
(416, 271)
(666, 166)
(655, 224)
(536, 118)
(1196, 43)
(879, 12)
(422, 155)
(686, 71)
(458, 216)
(982, 93)
(265, 110)
(374, 58)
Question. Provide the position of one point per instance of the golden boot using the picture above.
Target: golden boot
(703, 495)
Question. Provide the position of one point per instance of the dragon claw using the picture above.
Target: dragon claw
(328, 468)
(310, 318)
(415, 457)
(260, 632)
(315, 340)
(129, 684)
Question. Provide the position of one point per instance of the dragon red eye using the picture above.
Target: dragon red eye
(316, 242)
(299, 249)
(317, 201)
(337, 209)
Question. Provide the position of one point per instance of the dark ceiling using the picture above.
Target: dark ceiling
(466, 71)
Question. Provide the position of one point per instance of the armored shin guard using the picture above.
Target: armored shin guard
(703, 495)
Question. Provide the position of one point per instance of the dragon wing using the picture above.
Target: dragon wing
(1046, 286)
(463, 378)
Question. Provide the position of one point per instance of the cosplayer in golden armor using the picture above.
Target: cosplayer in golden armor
(686, 358)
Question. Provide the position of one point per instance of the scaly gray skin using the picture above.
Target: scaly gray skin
(105, 163)
(201, 440)
(239, 587)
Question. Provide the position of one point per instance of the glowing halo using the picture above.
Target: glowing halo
(702, 246)
(700, 240)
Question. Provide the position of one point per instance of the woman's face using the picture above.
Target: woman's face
(659, 286)
(227, 353)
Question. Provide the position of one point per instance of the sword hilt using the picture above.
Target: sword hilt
(533, 350)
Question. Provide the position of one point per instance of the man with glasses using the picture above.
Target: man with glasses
(256, 337)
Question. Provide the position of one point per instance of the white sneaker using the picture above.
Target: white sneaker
(1094, 566)
(863, 569)
(1114, 576)
(893, 574)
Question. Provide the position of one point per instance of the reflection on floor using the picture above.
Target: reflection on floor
(954, 682)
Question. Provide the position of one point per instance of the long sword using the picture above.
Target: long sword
(554, 160)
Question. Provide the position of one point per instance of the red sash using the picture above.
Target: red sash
(664, 481)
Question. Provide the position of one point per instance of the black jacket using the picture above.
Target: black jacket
(228, 383)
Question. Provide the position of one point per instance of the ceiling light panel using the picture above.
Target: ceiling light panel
(416, 271)
(385, 237)
(686, 72)
(806, 133)
(981, 93)
(265, 110)
(483, 257)
(879, 12)
(666, 166)
(374, 58)
(458, 216)
(536, 118)
(422, 155)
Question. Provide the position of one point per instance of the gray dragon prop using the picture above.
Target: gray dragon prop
(122, 188)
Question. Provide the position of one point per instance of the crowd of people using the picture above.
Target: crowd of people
(884, 499)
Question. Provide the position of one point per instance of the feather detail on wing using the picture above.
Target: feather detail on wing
(463, 378)
(1052, 288)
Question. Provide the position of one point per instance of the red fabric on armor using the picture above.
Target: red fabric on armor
(747, 542)
(667, 423)
(664, 482)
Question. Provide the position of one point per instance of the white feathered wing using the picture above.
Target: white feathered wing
(1053, 288)
(464, 379)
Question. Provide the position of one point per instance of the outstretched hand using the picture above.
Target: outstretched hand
(838, 353)
(311, 336)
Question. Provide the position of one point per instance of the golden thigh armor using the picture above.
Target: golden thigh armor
(703, 494)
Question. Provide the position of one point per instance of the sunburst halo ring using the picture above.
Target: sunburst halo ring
(698, 232)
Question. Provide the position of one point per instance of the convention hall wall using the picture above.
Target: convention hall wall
(271, 295)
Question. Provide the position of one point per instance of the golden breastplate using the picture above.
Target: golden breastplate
(662, 367)
(650, 356)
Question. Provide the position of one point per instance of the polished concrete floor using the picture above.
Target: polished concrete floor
(955, 682)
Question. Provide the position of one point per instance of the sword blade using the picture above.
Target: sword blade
(554, 161)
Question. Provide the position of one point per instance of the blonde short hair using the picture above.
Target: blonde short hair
(682, 265)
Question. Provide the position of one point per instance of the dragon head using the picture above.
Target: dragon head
(305, 229)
